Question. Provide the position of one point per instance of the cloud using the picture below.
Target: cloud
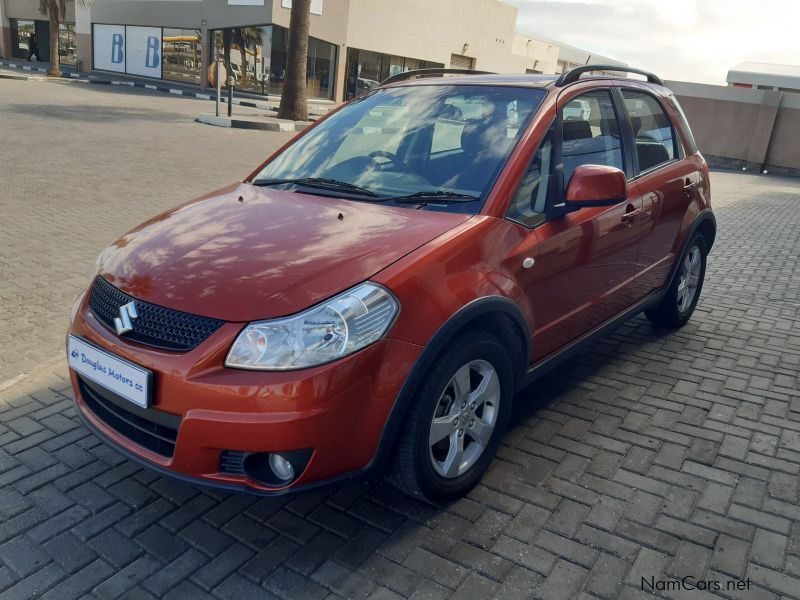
(689, 40)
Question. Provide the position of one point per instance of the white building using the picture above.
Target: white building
(765, 76)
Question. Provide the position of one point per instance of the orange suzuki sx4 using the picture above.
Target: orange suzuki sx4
(373, 295)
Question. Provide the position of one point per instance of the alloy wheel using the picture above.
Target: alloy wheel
(464, 418)
(690, 279)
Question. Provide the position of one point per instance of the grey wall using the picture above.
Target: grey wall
(185, 14)
(739, 127)
(29, 9)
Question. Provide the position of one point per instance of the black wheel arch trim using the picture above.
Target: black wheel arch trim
(480, 307)
(704, 216)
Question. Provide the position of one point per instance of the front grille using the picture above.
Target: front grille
(155, 325)
(154, 430)
(231, 462)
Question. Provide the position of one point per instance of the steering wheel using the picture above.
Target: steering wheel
(392, 158)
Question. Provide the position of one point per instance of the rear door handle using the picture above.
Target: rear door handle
(689, 188)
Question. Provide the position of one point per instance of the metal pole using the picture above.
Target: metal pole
(230, 96)
(219, 82)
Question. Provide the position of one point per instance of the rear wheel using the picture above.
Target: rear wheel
(454, 427)
(680, 300)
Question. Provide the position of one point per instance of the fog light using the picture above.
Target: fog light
(271, 469)
(282, 468)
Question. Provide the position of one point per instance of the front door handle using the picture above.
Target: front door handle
(631, 215)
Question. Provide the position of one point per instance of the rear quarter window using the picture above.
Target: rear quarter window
(684, 125)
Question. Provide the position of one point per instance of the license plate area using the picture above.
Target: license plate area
(120, 376)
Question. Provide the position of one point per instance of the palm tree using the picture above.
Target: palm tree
(294, 103)
(56, 11)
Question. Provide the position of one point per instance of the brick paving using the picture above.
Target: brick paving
(652, 456)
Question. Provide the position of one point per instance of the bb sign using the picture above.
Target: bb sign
(128, 49)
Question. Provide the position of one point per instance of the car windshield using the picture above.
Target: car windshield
(443, 144)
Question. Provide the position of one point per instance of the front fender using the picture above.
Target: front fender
(480, 307)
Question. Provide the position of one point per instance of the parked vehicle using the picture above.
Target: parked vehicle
(373, 295)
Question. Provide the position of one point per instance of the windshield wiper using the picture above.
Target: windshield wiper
(319, 182)
(434, 196)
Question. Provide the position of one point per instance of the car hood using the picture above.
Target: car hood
(245, 253)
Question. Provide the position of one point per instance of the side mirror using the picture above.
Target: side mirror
(595, 185)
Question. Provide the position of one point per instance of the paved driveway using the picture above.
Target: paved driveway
(652, 456)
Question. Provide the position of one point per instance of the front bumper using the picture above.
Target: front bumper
(338, 409)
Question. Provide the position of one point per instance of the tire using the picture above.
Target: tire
(429, 470)
(675, 309)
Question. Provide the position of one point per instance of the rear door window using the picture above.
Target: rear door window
(653, 133)
(590, 133)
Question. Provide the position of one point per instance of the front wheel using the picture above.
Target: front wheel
(454, 427)
(680, 300)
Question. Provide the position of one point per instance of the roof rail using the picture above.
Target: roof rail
(425, 72)
(573, 75)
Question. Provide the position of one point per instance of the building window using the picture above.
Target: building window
(67, 43)
(23, 36)
(321, 68)
(31, 40)
(366, 69)
(258, 58)
(181, 55)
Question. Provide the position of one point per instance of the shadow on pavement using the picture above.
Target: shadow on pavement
(97, 113)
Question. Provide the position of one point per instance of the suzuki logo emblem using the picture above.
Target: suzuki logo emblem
(124, 322)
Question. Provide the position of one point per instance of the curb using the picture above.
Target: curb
(7, 75)
(23, 67)
(252, 123)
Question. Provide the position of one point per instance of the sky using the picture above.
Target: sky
(686, 40)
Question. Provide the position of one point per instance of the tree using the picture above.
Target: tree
(294, 103)
(55, 10)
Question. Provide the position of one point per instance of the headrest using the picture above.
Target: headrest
(577, 130)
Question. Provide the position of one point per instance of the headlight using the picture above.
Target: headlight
(337, 327)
